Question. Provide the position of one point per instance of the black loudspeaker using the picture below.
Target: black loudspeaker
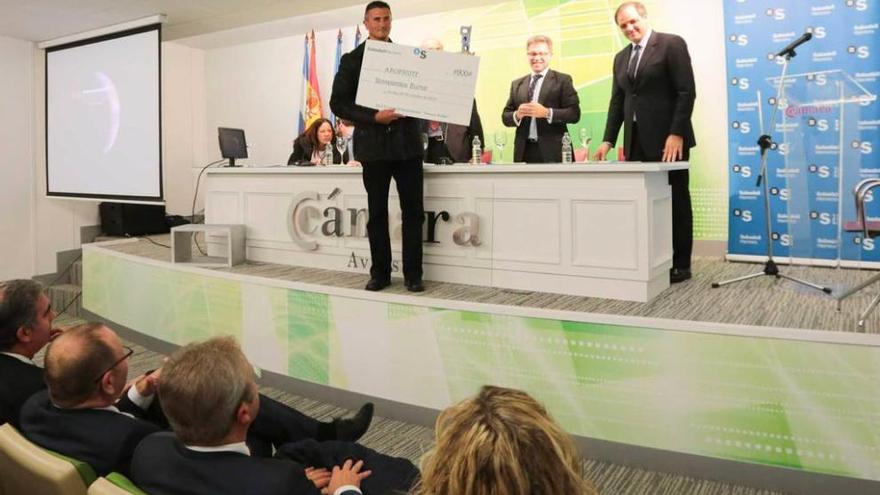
(122, 219)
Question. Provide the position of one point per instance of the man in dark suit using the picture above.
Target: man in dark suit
(25, 327)
(652, 96)
(211, 418)
(451, 143)
(80, 415)
(539, 106)
(388, 145)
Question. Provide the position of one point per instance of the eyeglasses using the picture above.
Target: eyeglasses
(537, 54)
(128, 352)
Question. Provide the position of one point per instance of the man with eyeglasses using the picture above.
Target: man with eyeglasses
(81, 414)
(540, 105)
(25, 327)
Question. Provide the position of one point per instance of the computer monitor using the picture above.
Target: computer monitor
(232, 144)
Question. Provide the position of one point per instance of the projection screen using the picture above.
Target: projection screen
(103, 122)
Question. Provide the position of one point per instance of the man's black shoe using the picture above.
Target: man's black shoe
(677, 275)
(351, 429)
(377, 284)
(415, 286)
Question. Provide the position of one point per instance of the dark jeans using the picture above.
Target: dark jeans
(682, 214)
(407, 175)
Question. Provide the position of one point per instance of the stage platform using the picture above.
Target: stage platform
(761, 383)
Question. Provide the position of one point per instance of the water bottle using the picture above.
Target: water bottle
(476, 151)
(327, 159)
(566, 148)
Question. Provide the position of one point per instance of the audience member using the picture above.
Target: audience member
(312, 145)
(501, 442)
(80, 415)
(211, 400)
(25, 327)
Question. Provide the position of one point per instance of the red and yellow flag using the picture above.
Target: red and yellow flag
(311, 96)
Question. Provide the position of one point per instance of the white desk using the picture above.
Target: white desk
(601, 230)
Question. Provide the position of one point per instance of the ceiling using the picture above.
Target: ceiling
(42, 20)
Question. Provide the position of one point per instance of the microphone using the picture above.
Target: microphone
(789, 50)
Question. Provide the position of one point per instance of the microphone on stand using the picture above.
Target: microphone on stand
(789, 50)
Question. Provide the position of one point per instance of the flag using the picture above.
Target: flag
(336, 67)
(311, 98)
(305, 79)
(357, 37)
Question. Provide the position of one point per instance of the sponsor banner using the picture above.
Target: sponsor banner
(826, 131)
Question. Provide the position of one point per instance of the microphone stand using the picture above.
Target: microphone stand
(765, 142)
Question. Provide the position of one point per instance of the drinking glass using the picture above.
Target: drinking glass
(341, 146)
(586, 136)
(500, 142)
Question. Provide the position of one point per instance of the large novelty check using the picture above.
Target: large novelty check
(418, 83)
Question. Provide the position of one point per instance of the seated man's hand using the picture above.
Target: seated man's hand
(148, 384)
(348, 474)
(319, 476)
(353, 163)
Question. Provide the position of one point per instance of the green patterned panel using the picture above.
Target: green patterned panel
(171, 305)
(307, 327)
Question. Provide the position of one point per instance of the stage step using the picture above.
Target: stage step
(63, 294)
(76, 273)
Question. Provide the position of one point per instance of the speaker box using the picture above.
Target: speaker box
(122, 219)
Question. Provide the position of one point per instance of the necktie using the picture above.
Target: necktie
(633, 63)
(533, 84)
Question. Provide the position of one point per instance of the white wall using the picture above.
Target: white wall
(183, 124)
(17, 151)
(256, 87)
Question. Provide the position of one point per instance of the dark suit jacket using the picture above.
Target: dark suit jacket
(302, 152)
(103, 439)
(18, 381)
(399, 140)
(662, 96)
(459, 138)
(558, 93)
(163, 466)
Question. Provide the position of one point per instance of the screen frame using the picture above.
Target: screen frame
(160, 199)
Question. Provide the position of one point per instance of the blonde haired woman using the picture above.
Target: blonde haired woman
(501, 442)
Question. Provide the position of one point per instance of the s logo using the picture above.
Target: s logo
(777, 14)
(745, 215)
(744, 170)
(859, 5)
(818, 31)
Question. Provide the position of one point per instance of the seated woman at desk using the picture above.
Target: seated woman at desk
(311, 145)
